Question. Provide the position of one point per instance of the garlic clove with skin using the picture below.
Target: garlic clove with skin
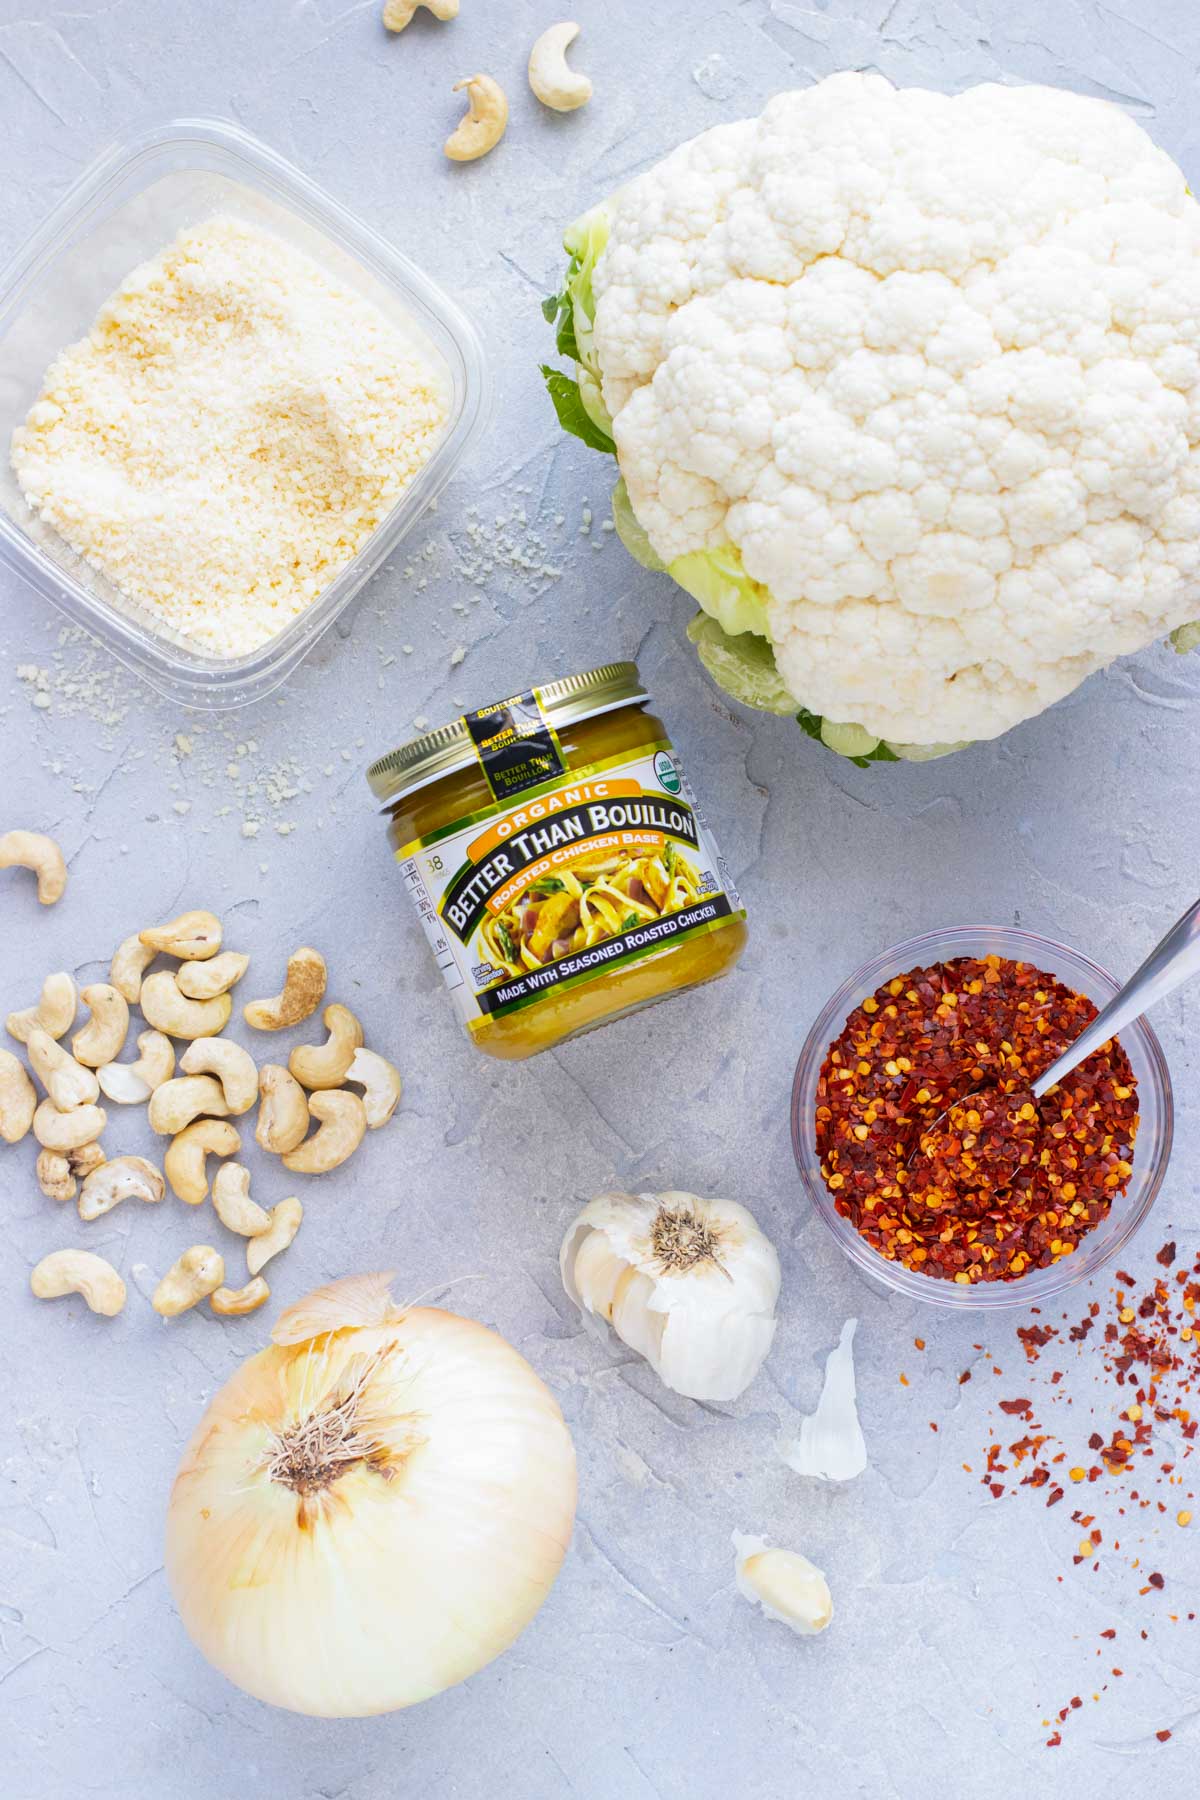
(830, 1443)
(785, 1584)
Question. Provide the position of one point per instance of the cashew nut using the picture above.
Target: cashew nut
(18, 1098)
(171, 1011)
(184, 1163)
(84, 1158)
(54, 1176)
(130, 961)
(53, 1014)
(232, 1302)
(176, 1103)
(555, 83)
(380, 1082)
(79, 1272)
(32, 850)
(56, 1130)
(485, 123)
(233, 1205)
(131, 1084)
(343, 1123)
(103, 1037)
(198, 1273)
(233, 1067)
(194, 936)
(67, 1082)
(205, 980)
(324, 1065)
(399, 13)
(285, 1223)
(124, 1178)
(303, 992)
(283, 1113)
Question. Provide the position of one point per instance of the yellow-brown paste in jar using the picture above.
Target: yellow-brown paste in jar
(558, 861)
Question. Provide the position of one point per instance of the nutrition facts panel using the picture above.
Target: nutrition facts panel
(427, 912)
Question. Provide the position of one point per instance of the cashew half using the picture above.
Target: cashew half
(67, 1082)
(380, 1082)
(54, 1176)
(205, 980)
(84, 1158)
(63, 1131)
(231, 1303)
(555, 83)
(485, 123)
(184, 1162)
(33, 850)
(171, 1011)
(176, 1103)
(285, 1223)
(18, 1098)
(233, 1205)
(103, 1037)
(399, 13)
(193, 935)
(303, 992)
(233, 1067)
(130, 961)
(131, 1084)
(198, 1273)
(324, 1065)
(124, 1178)
(283, 1113)
(343, 1123)
(53, 1014)
(79, 1272)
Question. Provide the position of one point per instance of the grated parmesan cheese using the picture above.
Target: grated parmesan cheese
(229, 434)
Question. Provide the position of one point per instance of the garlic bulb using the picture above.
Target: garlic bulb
(830, 1444)
(785, 1584)
(690, 1284)
(372, 1508)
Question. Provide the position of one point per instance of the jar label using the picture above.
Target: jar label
(593, 870)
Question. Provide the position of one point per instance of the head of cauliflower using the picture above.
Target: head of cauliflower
(905, 390)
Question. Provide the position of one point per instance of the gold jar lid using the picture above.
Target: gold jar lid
(452, 747)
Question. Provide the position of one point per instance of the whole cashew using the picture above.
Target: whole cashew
(343, 1123)
(233, 1067)
(380, 1082)
(18, 1098)
(230, 1303)
(64, 1131)
(285, 1223)
(130, 961)
(554, 82)
(198, 1273)
(124, 1178)
(177, 1102)
(67, 1082)
(233, 1205)
(324, 1065)
(131, 1084)
(103, 1037)
(185, 1161)
(399, 13)
(205, 980)
(79, 1272)
(485, 123)
(171, 1011)
(193, 935)
(303, 992)
(33, 850)
(53, 1014)
(283, 1113)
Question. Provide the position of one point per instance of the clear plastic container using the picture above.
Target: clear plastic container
(127, 207)
(1151, 1152)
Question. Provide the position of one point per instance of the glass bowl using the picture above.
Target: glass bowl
(127, 207)
(1151, 1152)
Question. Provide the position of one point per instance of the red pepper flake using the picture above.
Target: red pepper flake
(1110, 1633)
(1056, 1495)
(1166, 1255)
(964, 1378)
(1052, 1743)
(919, 1342)
(1016, 1406)
(1162, 1736)
(1155, 1580)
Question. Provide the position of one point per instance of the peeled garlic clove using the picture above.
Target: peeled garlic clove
(830, 1443)
(785, 1584)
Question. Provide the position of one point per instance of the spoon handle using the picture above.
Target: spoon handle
(1175, 960)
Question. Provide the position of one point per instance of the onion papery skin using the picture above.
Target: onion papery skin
(402, 1576)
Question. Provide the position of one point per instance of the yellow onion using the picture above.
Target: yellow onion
(372, 1508)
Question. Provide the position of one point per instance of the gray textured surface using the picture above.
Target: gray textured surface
(645, 1674)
